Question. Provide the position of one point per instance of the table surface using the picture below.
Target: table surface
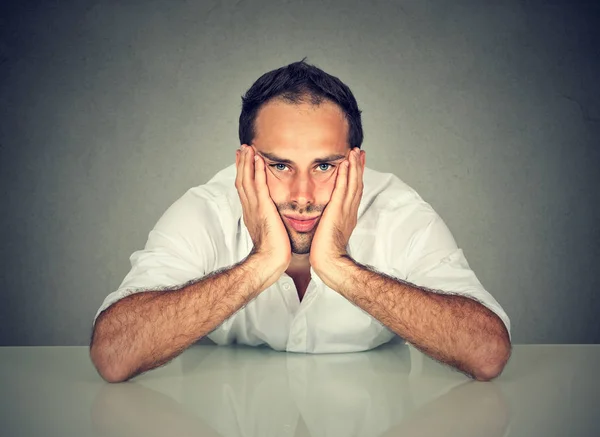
(394, 390)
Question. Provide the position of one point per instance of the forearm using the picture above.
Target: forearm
(147, 329)
(455, 330)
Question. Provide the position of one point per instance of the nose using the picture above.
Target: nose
(302, 190)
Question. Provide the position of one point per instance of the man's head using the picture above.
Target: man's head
(303, 122)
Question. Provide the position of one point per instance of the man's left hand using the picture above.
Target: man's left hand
(340, 215)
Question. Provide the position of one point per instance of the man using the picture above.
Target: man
(300, 247)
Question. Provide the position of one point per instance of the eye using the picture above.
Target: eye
(276, 166)
(323, 167)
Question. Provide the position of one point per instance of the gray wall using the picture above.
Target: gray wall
(109, 112)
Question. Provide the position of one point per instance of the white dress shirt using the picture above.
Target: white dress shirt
(397, 233)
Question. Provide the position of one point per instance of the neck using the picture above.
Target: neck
(299, 262)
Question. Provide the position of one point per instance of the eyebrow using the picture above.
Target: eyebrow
(323, 160)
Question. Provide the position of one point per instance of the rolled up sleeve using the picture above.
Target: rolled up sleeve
(181, 247)
(435, 262)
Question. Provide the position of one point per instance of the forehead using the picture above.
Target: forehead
(301, 129)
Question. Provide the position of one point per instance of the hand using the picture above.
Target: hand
(341, 214)
(260, 213)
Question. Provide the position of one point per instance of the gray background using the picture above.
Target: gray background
(109, 111)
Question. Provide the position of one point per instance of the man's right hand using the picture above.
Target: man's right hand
(261, 217)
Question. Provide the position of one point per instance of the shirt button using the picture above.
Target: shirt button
(286, 286)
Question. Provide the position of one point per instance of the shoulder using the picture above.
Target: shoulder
(390, 202)
(207, 205)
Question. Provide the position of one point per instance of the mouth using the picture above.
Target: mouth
(302, 225)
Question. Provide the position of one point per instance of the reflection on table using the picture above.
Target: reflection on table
(242, 391)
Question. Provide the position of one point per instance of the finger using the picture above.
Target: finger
(352, 182)
(361, 182)
(339, 191)
(248, 180)
(260, 178)
(239, 160)
(238, 175)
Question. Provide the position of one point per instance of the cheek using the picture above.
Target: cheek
(329, 184)
(326, 192)
(277, 188)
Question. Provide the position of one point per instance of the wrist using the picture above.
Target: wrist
(263, 269)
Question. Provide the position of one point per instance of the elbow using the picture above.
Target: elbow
(494, 363)
(488, 373)
(107, 368)
(111, 376)
(103, 355)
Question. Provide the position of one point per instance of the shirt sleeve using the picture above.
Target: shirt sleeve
(182, 246)
(435, 262)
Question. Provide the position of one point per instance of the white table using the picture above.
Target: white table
(395, 390)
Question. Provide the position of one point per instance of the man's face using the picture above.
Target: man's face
(292, 139)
